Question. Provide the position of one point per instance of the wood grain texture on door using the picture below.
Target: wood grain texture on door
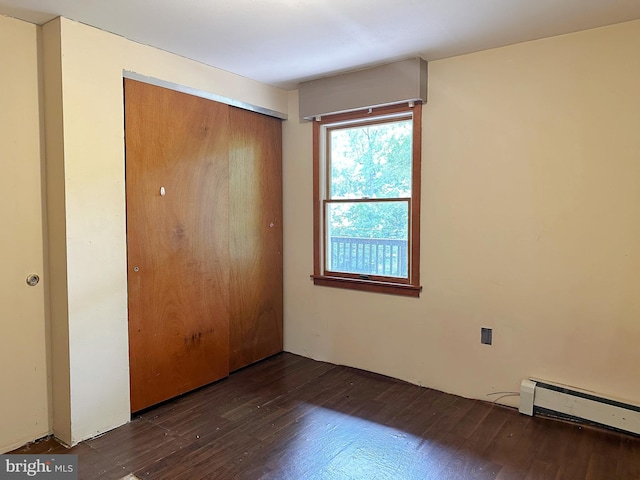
(255, 189)
(177, 184)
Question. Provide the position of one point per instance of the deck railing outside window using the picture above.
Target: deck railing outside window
(369, 256)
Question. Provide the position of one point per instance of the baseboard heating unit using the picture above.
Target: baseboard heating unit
(540, 396)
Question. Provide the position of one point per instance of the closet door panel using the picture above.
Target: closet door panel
(255, 244)
(177, 183)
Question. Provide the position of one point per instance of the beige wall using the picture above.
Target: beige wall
(91, 208)
(24, 401)
(530, 225)
(56, 238)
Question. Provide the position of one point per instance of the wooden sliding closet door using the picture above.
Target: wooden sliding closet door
(177, 182)
(255, 175)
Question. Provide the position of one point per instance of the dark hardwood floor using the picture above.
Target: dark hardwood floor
(289, 417)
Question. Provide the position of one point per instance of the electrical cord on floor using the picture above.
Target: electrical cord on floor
(503, 395)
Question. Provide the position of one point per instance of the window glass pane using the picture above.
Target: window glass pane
(368, 238)
(371, 161)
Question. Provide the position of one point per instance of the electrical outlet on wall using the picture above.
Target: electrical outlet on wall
(486, 336)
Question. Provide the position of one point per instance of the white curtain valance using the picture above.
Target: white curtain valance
(389, 84)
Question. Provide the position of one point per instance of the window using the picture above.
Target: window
(367, 200)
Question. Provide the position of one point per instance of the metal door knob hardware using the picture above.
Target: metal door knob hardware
(33, 280)
(136, 269)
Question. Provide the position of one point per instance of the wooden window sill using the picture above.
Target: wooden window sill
(368, 285)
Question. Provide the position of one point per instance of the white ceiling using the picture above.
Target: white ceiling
(282, 42)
